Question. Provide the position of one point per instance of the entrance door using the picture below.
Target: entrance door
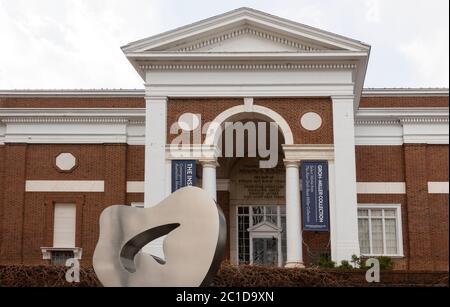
(265, 251)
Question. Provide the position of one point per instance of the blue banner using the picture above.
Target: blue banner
(183, 174)
(315, 205)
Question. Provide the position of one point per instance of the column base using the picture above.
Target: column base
(294, 265)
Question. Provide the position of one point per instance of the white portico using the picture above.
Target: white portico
(249, 54)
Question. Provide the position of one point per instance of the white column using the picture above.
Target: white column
(332, 202)
(293, 216)
(155, 150)
(155, 161)
(209, 177)
(345, 212)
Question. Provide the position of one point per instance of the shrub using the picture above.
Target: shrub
(325, 263)
(345, 265)
(386, 263)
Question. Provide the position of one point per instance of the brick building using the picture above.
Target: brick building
(66, 155)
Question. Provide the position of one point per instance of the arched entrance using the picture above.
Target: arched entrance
(262, 204)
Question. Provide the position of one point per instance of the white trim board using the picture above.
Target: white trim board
(65, 186)
(135, 186)
(381, 187)
(438, 187)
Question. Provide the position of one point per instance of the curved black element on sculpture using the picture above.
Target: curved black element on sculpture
(220, 250)
(133, 246)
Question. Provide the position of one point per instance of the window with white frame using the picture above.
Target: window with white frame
(380, 230)
(64, 225)
(63, 233)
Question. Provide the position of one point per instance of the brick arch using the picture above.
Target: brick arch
(213, 133)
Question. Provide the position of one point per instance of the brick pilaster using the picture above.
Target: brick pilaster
(115, 174)
(418, 210)
(14, 196)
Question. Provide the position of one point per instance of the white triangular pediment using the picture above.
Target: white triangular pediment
(248, 43)
(244, 30)
(247, 39)
(265, 226)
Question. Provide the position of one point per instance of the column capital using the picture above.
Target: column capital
(150, 98)
(291, 163)
(343, 98)
(209, 163)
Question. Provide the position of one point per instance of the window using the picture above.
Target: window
(64, 225)
(380, 231)
(260, 249)
(60, 257)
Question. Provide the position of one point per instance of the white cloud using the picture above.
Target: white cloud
(76, 43)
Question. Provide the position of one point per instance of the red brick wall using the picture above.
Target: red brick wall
(424, 215)
(2, 188)
(292, 110)
(209, 108)
(139, 102)
(26, 219)
(135, 163)
(380, 164)
(115, 174)
(384, 164)
(72, 102)
(419, 217)
(315, 244)
(438, 171)
(403, 102)
(13, 211)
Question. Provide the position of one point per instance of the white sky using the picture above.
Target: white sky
(76, 43)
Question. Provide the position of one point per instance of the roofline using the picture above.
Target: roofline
(367, 92)
(127, 93)
(130, 47)
(404, 92)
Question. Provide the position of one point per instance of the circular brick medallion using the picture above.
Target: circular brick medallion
(311, 121)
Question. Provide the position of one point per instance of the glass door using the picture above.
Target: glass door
(265, 251)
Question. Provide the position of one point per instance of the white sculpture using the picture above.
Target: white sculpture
(196, 235)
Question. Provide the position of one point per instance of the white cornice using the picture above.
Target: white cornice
(401, 115)
(76, 120)
(268, 66)
(80, 93)
(72, 126)
(72, 113)
(397, 126)
(247, 56)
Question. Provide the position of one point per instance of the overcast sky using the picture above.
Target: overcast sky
(76, 43)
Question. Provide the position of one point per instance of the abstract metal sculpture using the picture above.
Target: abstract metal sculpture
(196, 235)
